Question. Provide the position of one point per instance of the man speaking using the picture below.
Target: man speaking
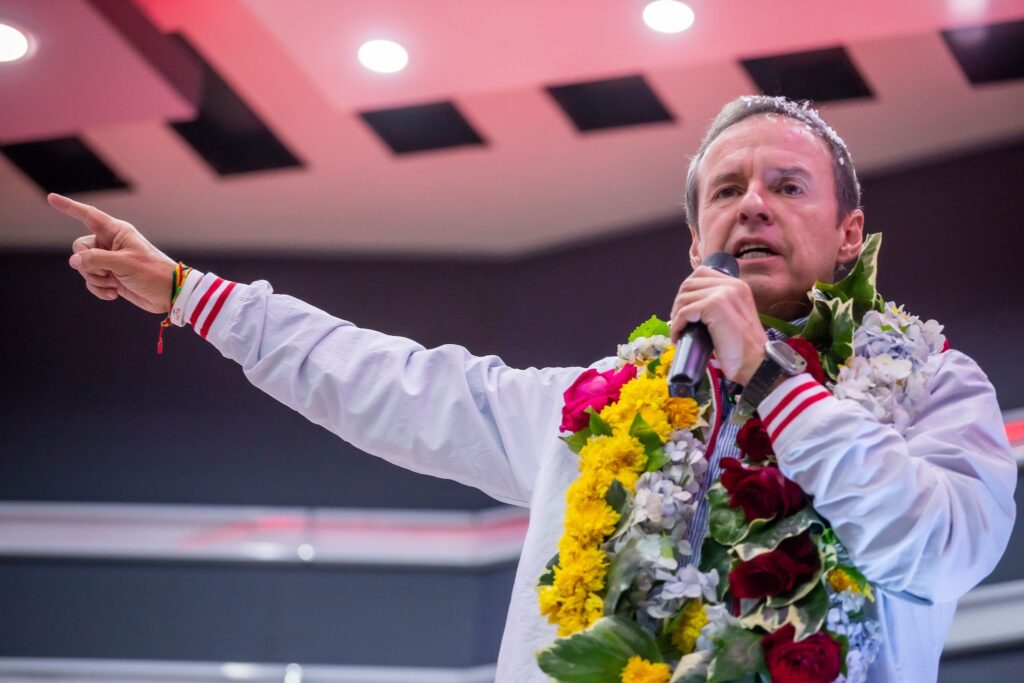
(922, 502)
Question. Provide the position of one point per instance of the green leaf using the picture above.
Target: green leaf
(807, 615)
(598, 427)
(819, 322)
(725, 524)
(714, 555)
(842, 328)
(788, 329)
(859, 285)
(652, 327)
(621, 573)
(597, 654)
(769, 537)
(651, 442)
(693, 668)
(737, 656)
(548, 577)
(578, 440)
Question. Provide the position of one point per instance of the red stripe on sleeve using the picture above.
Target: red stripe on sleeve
(788, 399)
(202, 302)
(216, 309)
(773, 434)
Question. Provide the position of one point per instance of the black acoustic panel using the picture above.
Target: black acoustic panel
(173, 61)
(63, 165)
(438, 125)
(818, 75)
(610, 103)
(990, 53)
(227, 133)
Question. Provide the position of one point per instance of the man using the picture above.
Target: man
(925, 513)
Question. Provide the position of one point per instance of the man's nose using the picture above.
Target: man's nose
(753, 207)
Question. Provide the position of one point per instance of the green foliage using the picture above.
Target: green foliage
(618, 500)
(548, 577)
(597, 654)
(769, 537)
(693, 668)
(651, 327)
(598, 427)
(807, 614)
(737, 656)
(714, 555)
(788, 329)
(838, 308)
(651, 442)
(728, 525)
(621, 573)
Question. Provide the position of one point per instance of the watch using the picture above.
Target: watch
(779, 359)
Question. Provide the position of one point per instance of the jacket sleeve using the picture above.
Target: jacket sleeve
(925, 514)
(441, 411)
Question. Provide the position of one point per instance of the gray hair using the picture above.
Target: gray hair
(847, 187)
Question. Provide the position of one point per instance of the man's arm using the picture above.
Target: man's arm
(926, 513)
(440, 411)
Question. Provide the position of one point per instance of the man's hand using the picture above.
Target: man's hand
(726, 305)
(117, 260)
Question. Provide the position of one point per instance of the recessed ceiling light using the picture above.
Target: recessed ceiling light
(13, 44)
(668, 16)
(384, 56)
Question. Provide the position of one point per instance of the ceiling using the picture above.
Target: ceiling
(534, 181)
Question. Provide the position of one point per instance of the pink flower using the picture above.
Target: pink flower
(595, 390)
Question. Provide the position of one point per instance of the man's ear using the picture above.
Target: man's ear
(851, 236)
(695, 259)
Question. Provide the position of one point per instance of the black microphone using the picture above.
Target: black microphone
(694, 347)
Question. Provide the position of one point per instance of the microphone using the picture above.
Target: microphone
(694, 347)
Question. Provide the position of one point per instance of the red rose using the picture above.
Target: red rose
(815, 659)
(810, 354)
(762, 492)
(595, 390)
(777, 571)
(753, 440)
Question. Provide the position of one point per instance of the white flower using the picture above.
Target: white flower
(719, 619)
(686, 582)
(642, 350)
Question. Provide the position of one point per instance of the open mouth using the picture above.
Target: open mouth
(750, 252)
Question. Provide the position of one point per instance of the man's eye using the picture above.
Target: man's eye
(792, 189)
(725, 193)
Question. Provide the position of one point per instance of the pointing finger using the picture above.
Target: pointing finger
(100, 223)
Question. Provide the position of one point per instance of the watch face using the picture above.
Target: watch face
(790, 361)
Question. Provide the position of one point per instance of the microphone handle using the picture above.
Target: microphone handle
(690, 361)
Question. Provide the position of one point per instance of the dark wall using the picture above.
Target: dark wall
(90, 413)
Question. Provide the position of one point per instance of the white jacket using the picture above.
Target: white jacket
(925, 514)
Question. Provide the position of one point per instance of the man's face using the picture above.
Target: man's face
(766, 195)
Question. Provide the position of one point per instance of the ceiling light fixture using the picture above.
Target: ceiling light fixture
(13, 44)
(383, 56)
(668, 16)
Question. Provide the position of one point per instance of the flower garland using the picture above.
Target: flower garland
(772, 592)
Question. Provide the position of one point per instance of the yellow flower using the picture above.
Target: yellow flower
(571, 601)
(682, 412)
(616, 455)
(590, 522)
(665, 362)
(692, 619)
(643, 394)
(840, 580)
(639, 670)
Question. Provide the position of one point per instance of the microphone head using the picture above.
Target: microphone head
(723, 262)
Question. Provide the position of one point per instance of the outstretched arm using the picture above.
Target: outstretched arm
(438, 411)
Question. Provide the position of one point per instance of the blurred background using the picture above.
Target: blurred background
(503, 175)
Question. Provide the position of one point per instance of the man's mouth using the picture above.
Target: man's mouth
(754, 250)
